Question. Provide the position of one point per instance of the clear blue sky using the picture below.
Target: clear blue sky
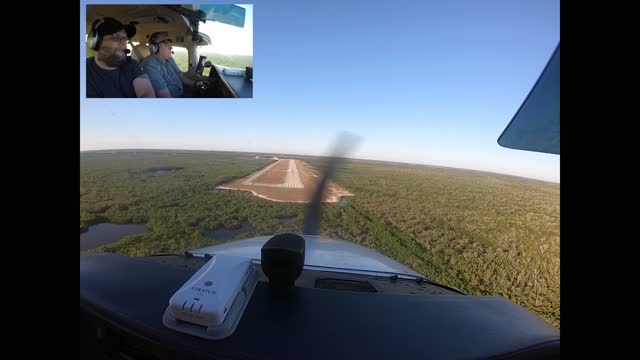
(431, 82)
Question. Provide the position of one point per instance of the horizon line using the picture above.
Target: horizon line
(325, 156)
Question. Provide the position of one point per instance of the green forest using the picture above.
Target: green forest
(485, 233)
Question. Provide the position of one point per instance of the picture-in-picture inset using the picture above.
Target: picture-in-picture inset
(171, 51)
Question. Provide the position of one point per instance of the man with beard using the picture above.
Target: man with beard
(166, 77)
(110, 73)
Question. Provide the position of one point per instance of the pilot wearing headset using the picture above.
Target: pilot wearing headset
(166, 78)
(111, 73)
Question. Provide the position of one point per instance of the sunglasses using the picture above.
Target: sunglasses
(165, 41)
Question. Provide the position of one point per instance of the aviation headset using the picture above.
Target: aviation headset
(153, 45)
(94, 39)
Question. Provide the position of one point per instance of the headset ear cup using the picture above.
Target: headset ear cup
(96, 45)
(153, 45)
(93, 40)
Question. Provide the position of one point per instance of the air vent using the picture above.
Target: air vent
(344, 285)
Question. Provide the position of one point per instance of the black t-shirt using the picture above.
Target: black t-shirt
(116, 83)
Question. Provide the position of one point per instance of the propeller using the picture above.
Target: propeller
(282, 256)
(344, 143)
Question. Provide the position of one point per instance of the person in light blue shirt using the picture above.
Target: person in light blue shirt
(166, 78)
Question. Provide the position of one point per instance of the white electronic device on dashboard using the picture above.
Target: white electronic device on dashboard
(211, 302)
